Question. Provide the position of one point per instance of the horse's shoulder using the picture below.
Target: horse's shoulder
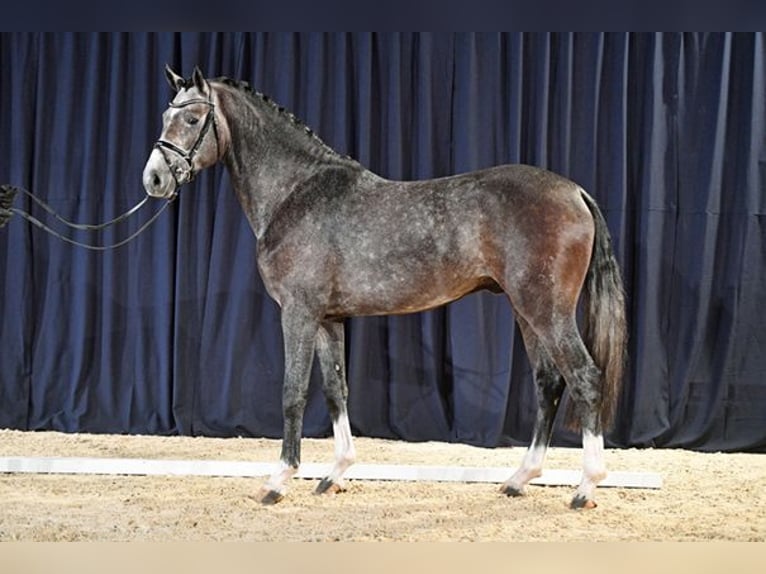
(312, 198)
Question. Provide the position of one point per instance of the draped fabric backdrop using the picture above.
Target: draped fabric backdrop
(175, 334)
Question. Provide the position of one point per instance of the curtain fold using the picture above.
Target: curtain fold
(175, 334)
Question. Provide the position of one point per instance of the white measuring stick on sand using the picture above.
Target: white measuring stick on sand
(136, 466)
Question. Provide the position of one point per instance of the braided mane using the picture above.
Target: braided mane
(281, 111)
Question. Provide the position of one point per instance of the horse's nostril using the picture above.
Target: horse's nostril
(156, 180)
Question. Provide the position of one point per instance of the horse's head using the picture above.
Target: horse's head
(192, 138)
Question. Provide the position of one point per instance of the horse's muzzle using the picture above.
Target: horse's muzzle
(157, 179)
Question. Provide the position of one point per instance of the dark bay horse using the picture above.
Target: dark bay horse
(336, 240)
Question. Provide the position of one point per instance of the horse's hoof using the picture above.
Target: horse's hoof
(509, 490)
(580, 502)
(270, 497)
(327, 486)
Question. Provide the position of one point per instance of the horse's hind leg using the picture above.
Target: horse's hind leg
(550, 387)
(300, 331)
(330, 351)
(584, 382)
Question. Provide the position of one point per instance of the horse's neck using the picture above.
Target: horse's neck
(266, 167)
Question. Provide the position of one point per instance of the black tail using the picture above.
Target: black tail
(605, 328)
(7, 194)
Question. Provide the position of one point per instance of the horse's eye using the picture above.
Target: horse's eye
(190, 119)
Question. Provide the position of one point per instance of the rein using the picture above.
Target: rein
(8, 192)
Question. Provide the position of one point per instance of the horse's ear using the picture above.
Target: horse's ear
(199, 81)
(176, 82)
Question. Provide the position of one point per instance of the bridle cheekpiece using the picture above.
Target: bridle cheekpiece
(188, 155)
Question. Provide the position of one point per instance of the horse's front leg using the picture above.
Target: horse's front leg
(330, 350)
(299, 332)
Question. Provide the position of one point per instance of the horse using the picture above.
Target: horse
(335, 240)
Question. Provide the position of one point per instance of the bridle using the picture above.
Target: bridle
(8, 192)
(188, 156)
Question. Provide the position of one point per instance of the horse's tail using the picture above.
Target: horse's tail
(605, 329)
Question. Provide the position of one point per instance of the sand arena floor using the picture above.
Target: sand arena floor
(704, 496)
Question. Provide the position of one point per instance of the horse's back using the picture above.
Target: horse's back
(376, 246)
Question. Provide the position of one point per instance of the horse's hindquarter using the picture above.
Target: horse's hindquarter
(385, 247)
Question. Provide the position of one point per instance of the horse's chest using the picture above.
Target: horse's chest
(300, 266)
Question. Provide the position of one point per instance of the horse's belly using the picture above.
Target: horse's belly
(400, 294)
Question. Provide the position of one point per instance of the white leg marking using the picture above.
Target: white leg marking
(531, 467)
(278, 480)
(594, 469)
(345, 455)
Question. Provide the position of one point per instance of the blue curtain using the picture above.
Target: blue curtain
(174, 333)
